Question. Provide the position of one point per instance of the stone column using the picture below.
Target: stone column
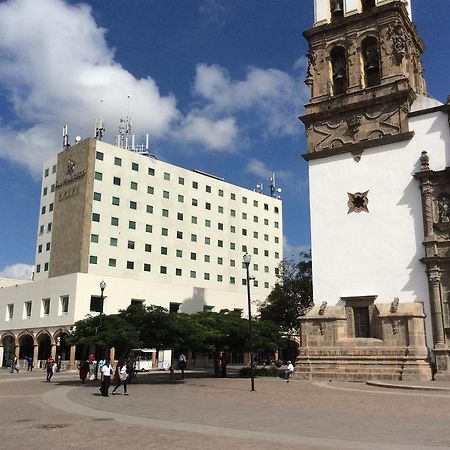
(36, 355)
(154, 364)
(53, 351)
(17, 350)
(112, 354)
(73, 349)
(438, 326)
(427, 206)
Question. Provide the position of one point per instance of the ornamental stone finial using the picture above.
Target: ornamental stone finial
(424, 161)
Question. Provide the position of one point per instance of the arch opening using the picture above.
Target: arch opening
(339, 70)
(371, 61)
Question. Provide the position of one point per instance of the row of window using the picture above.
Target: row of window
(45, 190)
(63, 308)
(117, 181)
(47, 247)
(47, 171)
(44, 208)
(42, 228)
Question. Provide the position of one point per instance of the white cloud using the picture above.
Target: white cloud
(56, 67)
(19, 271)
(272, 96)
(219, 134)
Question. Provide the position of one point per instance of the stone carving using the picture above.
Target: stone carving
(312, 56)
(357, 202)
(444, 208)
(397, 36)
(322, 308)
(350, 322)
(395, 325)
(322, 327)
(424, 161)
(353, 124)
(70, 167)
(394, 305)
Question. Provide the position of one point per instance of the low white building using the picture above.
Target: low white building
(153, 232)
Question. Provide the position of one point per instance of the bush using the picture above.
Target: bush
(278, 363)
(260, 372)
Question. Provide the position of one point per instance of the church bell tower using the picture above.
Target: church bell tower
(364, 72)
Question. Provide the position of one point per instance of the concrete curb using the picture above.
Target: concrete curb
(410, 387)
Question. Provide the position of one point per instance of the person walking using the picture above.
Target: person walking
(182, 364)
(83, 368)
(289, 371)
(223, 364)
(49, 366)
(14, 364)
(30, 363)
(106, 372)
(122, 378)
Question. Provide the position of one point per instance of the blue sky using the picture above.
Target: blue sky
(218, 84)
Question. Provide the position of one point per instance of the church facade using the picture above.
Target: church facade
(378, 155)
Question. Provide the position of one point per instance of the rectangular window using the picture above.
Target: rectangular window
(147, 267)
(179, 235)
(277, 240)
(208, 189)
(40, 248)
(166, 194)
(163, 250)
(92, 259)
(97, 196)
(266, 284)
(266, 252)
(131, 224)
(149, 209)
(193, 274)
(255, 234)
(50, 207)
(54, 169)
(115, 221)
(43, 210)
(10, 313)
(244, 199)
(232, 229)
(208, 206)
(167, 176)
(277, 255)
(46, 172)
(232, 246)
(179, 216)
(96, 304)
(266, 237)
(206, 276)
(244, 216)
(163, 269)
(232, 280)
(220, 209)
(244, 232)
(98, 176)
(232, 213)
(49, 227)
(38, 268)
(45, 306)
(165, 213)
(266, 207)
(135, 167)
(52, 188)
(194, 202)
(255, 251)
(164, 232)
(193, 256)
(255, 267)
(150, 190)
(207, 258)
(220, 193)
(277, 225)
(220, 261)
(266, 269)
(133, 205)
(232, 263)
(133, 185)
(116, 181)
(148, 228)
(244, 248)
(131, 245)
(178, 272)
(255, 219)
(113, 242)
(115, 201)
(117, 161)
(220, 226)
(195, 185)
(64, 299)
(207, 223)
(266, 221)
(194, 219)
(94, 238)
(112, 262)
(276, 209)
(28, 309)
(181, 180)
(151, 171)
(148, 247)
(47, 246)
(44, 192)
(207, 240)
(180, 198)
(255, 203)
(95, 217)
(99, 156)
(130, 265)
(179, 253)
(219, 278)
(219, 243)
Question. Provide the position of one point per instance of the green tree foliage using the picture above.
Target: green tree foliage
(292, 294)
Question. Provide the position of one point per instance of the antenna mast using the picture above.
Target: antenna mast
(65, 134)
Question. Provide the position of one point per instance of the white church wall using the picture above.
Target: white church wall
(374, 253)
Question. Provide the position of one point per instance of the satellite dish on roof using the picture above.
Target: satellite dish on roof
(77, 139)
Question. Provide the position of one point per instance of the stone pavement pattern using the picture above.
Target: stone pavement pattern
(209, 413)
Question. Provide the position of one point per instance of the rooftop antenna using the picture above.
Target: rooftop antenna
(259, 188)
(124, 131)
(99, 129)
(65, 134)
(274, 191)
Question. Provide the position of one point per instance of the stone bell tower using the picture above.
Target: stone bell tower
(364, 72)
(379, 216)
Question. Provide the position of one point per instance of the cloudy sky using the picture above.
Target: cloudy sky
(218, 84)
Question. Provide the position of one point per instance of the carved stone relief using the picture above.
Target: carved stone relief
(357, 202)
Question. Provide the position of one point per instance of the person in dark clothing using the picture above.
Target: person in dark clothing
(122, 377)
(223, 364)
(30, 363)
(49, 367)
(83, 368)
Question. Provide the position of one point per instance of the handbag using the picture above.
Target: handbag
(123, 376)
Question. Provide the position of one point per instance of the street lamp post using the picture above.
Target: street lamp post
(247, 258)
(102, 290)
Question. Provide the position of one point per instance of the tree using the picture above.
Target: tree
(291, 297)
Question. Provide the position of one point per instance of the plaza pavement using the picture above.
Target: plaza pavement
(214, 413)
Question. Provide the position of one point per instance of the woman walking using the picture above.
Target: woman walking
(122, 370)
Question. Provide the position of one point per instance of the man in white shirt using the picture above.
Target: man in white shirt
(106, 371)
(289, 371)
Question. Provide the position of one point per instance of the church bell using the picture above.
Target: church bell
(337, 7)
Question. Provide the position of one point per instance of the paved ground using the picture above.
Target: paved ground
(210, 413)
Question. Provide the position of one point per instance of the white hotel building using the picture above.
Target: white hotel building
(153, 232)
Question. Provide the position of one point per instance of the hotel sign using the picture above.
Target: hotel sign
(72, 175)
